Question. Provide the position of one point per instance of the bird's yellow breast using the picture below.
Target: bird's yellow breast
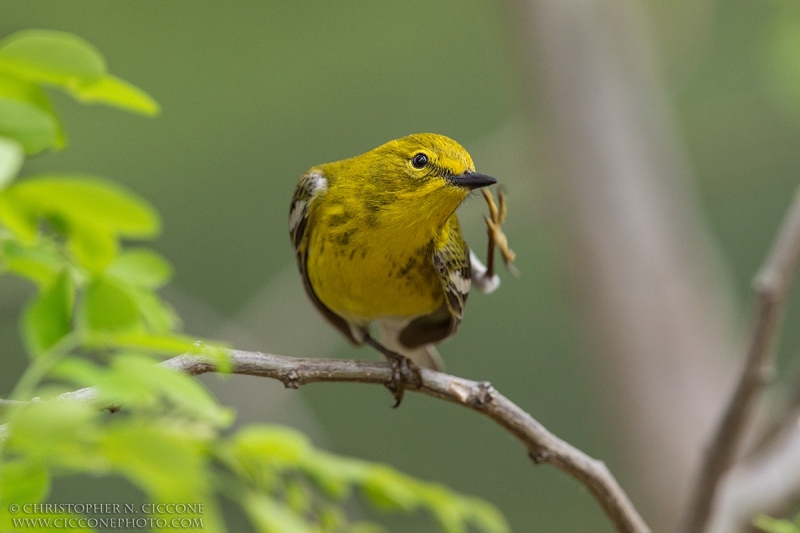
(361, 270)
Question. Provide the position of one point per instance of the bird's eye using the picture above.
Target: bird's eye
(419, 161)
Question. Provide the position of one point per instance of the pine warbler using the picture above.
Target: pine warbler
(378, 242)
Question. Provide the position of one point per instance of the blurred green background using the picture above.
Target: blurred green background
(255, 92)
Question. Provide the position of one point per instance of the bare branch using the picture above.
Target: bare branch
(542, 446)
(767, 481)
(770, 287)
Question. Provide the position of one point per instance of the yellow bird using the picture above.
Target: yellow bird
(378, 243)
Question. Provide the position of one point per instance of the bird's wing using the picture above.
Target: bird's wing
(312, 184)
(309, 187)
(452, 264)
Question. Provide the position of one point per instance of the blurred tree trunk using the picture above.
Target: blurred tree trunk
(653, 285)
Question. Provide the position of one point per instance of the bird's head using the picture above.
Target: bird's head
(417, 179)
(431, 161)
(421, 167)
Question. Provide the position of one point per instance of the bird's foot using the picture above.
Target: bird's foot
(404, 374)
(494, 223)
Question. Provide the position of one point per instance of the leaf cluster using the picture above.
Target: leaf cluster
(97, 320)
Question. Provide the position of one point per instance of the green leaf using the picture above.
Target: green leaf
(450, 519)
(40, 263)
(364, 527)
(271, 454)
(11, 158)
(274, 444)
(298, 497)
(50, 56)
(333, 474)
(57, 433)
(260, 452)
(31, 93)
(66, 60)
(137, 380)
(23, 481)
(17, 219)
(182, 390)
(108, 307)
(93, 247)
(164, 460)
(47, 319)
(113, 387)
(486, 516)
(89, 201)
(141, 267)
(159, 315)
(331, 518)
(167, 344)
(268, 516)
(389, 489)
(79, 371)
(114, 91)
(454, 511)
(34, 129)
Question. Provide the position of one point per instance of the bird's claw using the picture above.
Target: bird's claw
(404, 374)
(494, 222)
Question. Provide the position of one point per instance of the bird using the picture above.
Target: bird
(380, 249)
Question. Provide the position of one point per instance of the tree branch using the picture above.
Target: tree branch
(767, 481)
(542, 446)
(770, 287)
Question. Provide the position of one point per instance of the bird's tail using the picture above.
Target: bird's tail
(426, 356)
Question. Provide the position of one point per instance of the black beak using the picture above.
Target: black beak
(471, 180)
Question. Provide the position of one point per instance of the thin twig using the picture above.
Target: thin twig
(765, 481)
(542, 446)
(770, 287)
